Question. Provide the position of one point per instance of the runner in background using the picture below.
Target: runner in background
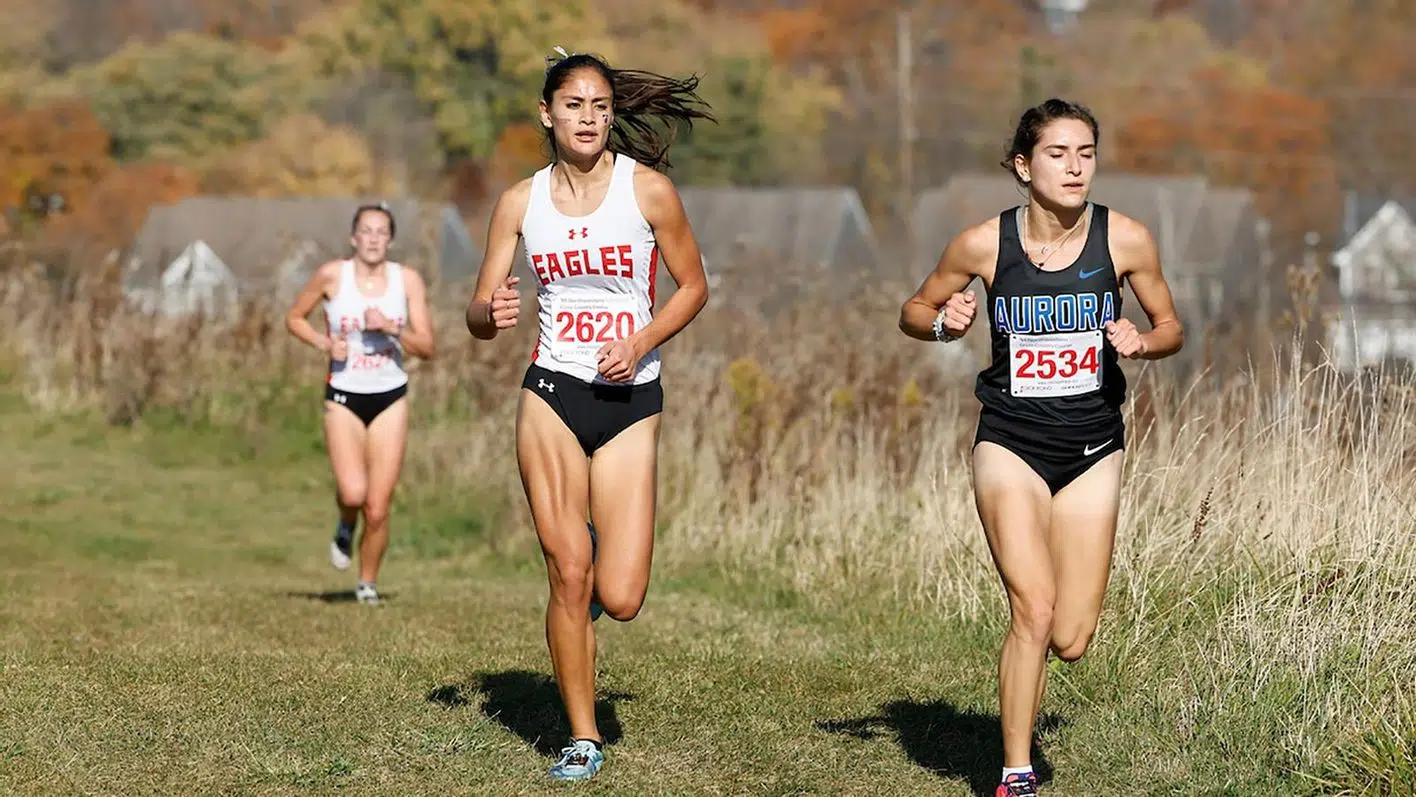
(375, 311)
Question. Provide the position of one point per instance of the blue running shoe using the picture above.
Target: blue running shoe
(580, 761)
(595, 608)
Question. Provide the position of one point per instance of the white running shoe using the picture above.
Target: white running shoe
(365, 593)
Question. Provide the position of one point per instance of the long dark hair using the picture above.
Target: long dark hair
(638, 97)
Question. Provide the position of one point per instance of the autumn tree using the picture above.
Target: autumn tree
(474, 66)
(53, 156)
(303, 156)
(770, 118)
(400, 136)
(187, 97)
(1360, 60)
(93, 31)
(959, 82)
(114, 210)
(1270, 140)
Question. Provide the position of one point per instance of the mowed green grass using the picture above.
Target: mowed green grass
(170, 625)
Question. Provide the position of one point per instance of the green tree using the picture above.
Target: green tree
(475, 65)
(770, 118)
(188, 97)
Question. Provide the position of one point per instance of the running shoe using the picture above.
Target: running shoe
(343, 544)
(1017, 786)
(366, 593)
(595, 608)
(579, 761)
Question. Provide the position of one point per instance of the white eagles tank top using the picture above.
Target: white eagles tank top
(375, 362)
(594, 275)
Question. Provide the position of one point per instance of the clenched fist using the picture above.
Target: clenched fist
(959, 313)
(1125, 339)
(376, 321)
(338, 349)
(506, 304)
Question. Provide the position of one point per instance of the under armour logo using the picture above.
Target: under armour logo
(546, 386)
(584, 231)
(340, 398)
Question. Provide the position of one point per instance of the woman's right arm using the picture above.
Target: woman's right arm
(297, 317)
(502, 233)
(971, 254)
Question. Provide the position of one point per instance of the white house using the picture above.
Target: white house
(1376, 280)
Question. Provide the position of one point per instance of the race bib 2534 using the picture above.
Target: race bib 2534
(1061, 364)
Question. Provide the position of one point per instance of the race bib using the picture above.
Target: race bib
(581, 325)
(1062, 364)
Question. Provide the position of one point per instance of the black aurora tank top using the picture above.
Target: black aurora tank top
(1051, 363)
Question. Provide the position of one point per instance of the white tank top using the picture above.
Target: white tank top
(594, 275)
(375, 362)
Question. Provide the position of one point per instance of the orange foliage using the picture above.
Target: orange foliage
(1273, 141)
(56, 149)
(790, 31)
(520, 150)
(115, 209)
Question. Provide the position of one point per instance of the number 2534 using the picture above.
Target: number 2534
(1045, 364)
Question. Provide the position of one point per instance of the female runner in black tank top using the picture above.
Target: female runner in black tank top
(1050, 441)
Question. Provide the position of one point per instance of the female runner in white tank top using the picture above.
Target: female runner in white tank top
(594, 225)
(375, 312)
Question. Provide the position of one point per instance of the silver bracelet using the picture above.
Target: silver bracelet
(939, 333)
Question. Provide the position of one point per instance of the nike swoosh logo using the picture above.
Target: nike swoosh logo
(1093, 272)
(1088, 451)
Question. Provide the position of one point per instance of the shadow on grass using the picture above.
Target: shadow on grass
(529, 705)
(946, 741)
(336, 596)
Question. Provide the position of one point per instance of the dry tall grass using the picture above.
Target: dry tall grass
(1266, 551)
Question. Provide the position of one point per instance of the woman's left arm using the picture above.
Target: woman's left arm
(673, 234)
(417, 335)
(1139, 260)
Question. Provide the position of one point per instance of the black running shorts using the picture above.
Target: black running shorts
(1058, 454)
(595, 413)
(367, 406)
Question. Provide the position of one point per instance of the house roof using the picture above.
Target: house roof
(819, 226)
(262, 240)
(1360, 208)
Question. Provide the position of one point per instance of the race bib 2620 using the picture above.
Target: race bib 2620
(581, 325)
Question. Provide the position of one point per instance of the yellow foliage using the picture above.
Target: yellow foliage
(303, 157)
(912, 395)
(750, 384)
(842, 399)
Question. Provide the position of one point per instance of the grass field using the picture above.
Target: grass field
(823, 617)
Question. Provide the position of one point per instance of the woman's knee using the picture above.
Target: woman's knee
(621, 603)
(353, 493)
(1070, 643)
(375, 511)
(571, 576)
(1032, 618)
